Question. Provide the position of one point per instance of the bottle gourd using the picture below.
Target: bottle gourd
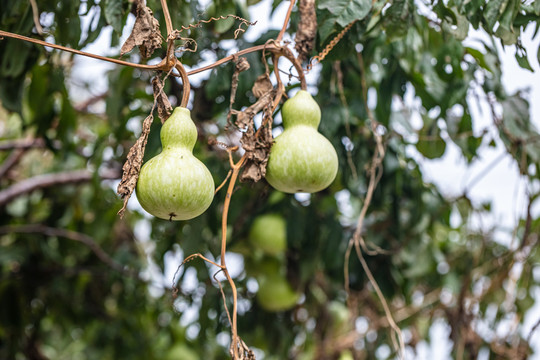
(301, 159)
(175, 185)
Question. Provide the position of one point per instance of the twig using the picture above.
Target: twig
(71, 235)
(235, 170)
(11, 161)
(94, 99)
(401, 348)
(43, 181)
(167, 16)
(223, 183)
(78, 52)
(484, 172)
(286, 21)
(533, 329)
(23, 144)
(375, 173)
(35, 14)
(341, 91)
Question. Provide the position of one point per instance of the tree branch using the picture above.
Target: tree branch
(71, 235)
(43, 181)
(22, 144)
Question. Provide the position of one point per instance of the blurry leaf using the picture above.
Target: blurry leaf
(14, 57)
(68, 31)
(346, 11)
(521, 57)
(397, 18)
(459, 28)
(538, 55)
(114, 13)
(479, 57)
(493, 11)
(430, 143)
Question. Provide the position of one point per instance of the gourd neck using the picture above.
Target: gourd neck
(301, 109)
(179, 131)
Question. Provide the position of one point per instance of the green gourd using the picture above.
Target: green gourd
(301, 159)
(269, 233)
(175, 185)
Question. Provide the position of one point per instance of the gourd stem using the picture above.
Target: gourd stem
(283, 51)
(186, 87)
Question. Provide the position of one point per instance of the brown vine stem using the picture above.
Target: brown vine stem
(35, 14)
(163, 65)
(167, 16)
(286, 21)
(186, 87)
(232, 57)
(78, 52)
(235, 171)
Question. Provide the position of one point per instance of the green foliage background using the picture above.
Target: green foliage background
(59, 300)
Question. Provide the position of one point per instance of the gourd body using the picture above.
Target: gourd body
(276, 294)
(269, 233)
(175, 185)
(301, 159)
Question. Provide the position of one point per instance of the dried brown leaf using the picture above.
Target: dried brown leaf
(262, 85)
(145, 33)
(163, 104)
(241, 65)
(133, 164)
(307, 29)
(257, 147)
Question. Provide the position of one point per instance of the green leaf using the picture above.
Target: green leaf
(538, 54)
(493, 11)
(346, 11)
(521, 57)
(114, 13)
(430, 143)
(459, 28)
(397, 18)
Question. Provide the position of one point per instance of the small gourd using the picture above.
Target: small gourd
(175, 185)
(301, 159)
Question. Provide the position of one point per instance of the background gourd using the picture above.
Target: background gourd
(275, 292)
(301, 159)
(269, 233)
(175, 185)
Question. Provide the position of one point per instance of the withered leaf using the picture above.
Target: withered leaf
(241, 65)
(163, 104)
(262, 85)
(257, 147)
(244, 119)
(145, 33)
(133, 164)
(307, 29)
(257, 152)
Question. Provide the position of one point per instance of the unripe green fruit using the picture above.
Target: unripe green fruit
(175, 185)
(301, 159)
(275, 293)
(269, 233)
(181, 352)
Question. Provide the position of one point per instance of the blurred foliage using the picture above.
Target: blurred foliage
(61, 298)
